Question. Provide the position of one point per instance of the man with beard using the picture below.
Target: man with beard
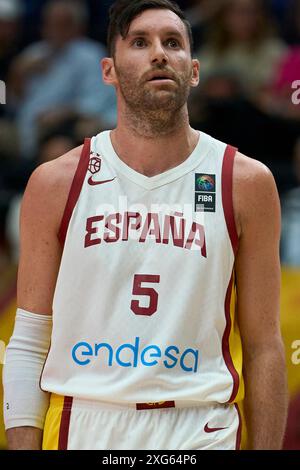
(155, 248)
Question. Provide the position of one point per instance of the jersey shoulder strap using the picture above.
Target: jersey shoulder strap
(75, 190)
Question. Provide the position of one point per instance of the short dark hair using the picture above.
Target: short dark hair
(123, 12)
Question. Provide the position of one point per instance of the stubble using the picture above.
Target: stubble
(152, 110)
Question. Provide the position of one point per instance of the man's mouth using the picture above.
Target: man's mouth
(160, 77)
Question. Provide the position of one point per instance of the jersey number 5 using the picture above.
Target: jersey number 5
(138, 289)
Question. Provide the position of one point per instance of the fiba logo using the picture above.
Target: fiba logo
(95, 165)
(296, 94)
(2, 92)
(2, 352)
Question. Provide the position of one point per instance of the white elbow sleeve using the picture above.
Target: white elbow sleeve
(25, 404)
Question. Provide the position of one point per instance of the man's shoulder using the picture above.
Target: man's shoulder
(249, 172)
(49, 185)
(254, 190)
(58, 172)
(37, 49)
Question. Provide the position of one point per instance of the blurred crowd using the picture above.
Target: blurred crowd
(249, 95)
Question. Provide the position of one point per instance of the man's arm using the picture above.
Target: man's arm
(40, 253)
(257, 210)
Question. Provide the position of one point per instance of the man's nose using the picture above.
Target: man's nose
(158, 54)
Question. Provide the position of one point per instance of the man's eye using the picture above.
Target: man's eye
(173, 43)
(139, 42)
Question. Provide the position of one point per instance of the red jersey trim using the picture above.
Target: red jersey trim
(75, 190)
(225, 344)
(227, 195)
(65, 424)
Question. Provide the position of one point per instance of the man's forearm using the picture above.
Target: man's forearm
(25, 404)
(24, 438)
(266, 397)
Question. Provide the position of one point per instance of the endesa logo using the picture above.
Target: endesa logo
(132, 355)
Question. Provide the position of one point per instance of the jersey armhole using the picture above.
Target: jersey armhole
(227, 195)
(74, 190)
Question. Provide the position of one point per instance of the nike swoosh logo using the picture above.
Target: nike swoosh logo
(208, 429)
(95, 183)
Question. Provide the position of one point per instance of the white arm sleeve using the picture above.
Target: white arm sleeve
(25, 404)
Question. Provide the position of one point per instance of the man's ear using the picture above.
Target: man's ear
(195, 73)
(108, 71)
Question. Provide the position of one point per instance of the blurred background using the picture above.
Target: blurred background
(249, 97)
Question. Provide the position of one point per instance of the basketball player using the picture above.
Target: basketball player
(155, 249)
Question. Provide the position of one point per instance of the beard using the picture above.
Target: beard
(145, 99)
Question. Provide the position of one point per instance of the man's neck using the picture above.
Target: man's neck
(154, 153)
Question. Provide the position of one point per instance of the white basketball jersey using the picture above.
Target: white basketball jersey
(143, 309)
